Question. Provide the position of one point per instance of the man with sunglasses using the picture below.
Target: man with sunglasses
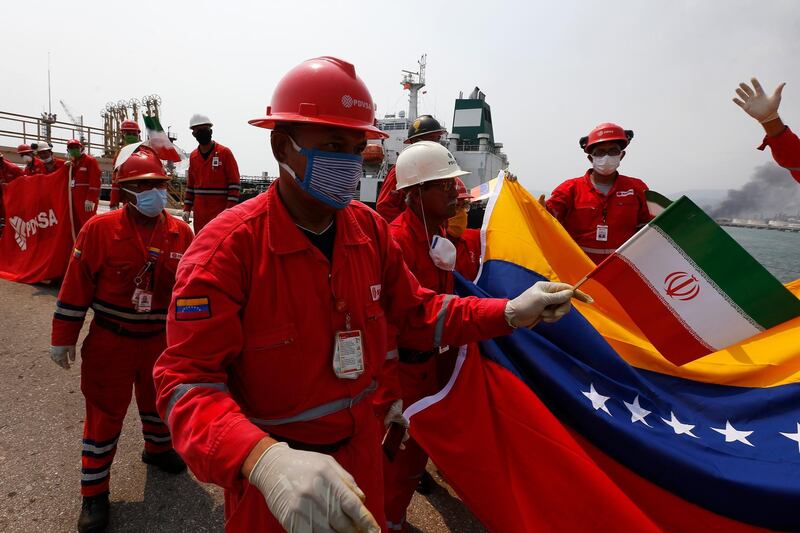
(601, 209)
(123, 267)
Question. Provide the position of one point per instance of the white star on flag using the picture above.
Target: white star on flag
(638, 413)
(732, 434)
(597, 399)
(679, 427)
(794, 436)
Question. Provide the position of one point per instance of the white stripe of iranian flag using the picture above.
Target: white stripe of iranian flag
(711, 315)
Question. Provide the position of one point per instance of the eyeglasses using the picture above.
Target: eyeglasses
(600, 152)
(445, 185)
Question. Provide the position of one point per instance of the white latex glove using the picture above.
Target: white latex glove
(309, 491)
(395, 414)
(113, 207)
(186, 216)
(62, 355)
(88, 205)
(756, 103)
(546, 301)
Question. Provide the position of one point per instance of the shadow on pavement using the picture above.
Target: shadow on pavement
(171, 503)
(454, 513)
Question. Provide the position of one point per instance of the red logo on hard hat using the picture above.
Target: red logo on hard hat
(681, 286)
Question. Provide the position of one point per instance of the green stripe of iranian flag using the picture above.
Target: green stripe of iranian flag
(706, 278)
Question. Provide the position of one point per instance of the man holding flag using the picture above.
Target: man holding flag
(278, 331)
(130, 131)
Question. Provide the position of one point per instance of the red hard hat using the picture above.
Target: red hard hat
(129, 125)
(606, 132)
(23, 149)
(143, 164)
(462, 191)
(325, 91)
(74, 142)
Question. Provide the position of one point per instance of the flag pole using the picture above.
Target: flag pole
(69, 195)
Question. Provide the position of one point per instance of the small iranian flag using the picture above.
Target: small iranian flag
(158, 140)
(691, 288)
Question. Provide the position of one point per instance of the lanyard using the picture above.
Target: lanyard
(144, 279)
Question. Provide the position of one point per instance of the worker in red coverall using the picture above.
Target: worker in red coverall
(426, 173)
(33, 165)
(779, 137)
(601, 209)
(50, 163)
(467, 241)
(391, 201)
(8, 173)
(85, 183)
(131, 132)
(123, 267)
(212, 184)
(277, 331)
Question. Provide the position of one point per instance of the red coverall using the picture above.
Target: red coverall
(580, 208)
(8, 173)
(85, 186)
(113, 200)
(122, 345)
(391, 202)
(250, 342)
(55, 164)
(785, 151)
(417, 379)
(468, 253)
(34, 167)
(212, 184)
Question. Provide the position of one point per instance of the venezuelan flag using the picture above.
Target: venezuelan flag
(584, 424)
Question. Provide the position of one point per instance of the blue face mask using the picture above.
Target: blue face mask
(331, 177)
(151, 202)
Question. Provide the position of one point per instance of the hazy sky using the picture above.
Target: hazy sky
(550, 70)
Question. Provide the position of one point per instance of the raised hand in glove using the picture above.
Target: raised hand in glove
(545, 300)
(186, 216)
(309, 491)
(756, 103)
(89, 205)
(63, 355)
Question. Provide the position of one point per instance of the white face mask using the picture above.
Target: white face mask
(27, 158)
(608, 164)
(442, 251)
(48, 160)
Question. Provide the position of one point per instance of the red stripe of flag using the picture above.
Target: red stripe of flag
(668, 334)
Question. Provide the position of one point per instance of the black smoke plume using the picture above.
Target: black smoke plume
(770, 193)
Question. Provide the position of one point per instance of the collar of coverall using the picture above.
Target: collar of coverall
(286, 238)
(620, 181)
(120, 233)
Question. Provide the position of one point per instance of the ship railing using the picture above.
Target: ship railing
(25, 129)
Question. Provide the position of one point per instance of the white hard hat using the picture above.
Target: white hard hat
(43, 147)
(425, 161)
(199, 120)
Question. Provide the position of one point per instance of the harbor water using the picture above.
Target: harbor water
(778, 251)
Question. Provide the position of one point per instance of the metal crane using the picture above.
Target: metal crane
(75, 121)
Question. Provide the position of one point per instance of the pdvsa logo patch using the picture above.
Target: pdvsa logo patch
(681, 286)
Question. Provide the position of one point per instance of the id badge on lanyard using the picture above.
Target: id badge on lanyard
(348, 352)
(142, 298)
(215, 162)
(602, 233)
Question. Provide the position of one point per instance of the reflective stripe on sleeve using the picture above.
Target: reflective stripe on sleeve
(321, 410)
(183, 388)
(439, 330)
(392, 354)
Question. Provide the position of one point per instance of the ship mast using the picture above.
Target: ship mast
(414, 81)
